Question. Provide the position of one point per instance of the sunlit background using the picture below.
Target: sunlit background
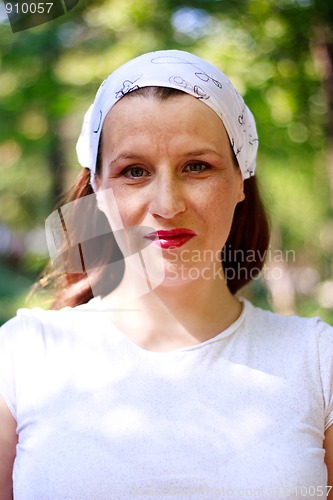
(278, 53)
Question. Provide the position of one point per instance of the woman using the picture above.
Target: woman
(166, 384)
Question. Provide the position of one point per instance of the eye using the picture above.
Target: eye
(135, 173)
(196, 167)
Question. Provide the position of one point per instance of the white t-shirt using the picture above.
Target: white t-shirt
(240, 416)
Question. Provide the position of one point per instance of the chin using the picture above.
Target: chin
(179, 274)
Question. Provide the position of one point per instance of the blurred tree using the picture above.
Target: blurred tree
(277, 52)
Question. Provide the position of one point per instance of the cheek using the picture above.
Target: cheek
(131, 206)
(218, 215)
(113, 206)
(218, 203)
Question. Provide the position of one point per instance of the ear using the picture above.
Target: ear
(240, 187)
(96, 185)
(106, 203)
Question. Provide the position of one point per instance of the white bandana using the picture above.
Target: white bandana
(179, 70)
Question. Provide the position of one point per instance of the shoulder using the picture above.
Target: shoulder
(294, 327)
(36, 324)
(298, 341)
(297, 350)
(306, 342)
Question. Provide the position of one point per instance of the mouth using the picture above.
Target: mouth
(173, 238)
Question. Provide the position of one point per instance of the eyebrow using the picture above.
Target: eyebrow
(131, 156)
(125, 156)
(202, 152)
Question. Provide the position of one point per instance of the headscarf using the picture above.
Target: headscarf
(179, 70)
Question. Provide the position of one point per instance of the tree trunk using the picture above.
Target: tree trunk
(56, 164)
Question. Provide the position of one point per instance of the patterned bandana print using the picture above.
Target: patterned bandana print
(179, 70)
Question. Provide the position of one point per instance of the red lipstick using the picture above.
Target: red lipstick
(173, 238)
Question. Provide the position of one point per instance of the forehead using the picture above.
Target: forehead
(178, 114)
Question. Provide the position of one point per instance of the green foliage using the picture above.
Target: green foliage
(273, 51)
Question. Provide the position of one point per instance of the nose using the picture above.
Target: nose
(168, 198)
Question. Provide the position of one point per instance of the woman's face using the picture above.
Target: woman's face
(170, 167)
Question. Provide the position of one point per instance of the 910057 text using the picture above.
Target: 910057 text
(29, 8)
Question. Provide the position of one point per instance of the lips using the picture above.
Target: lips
(173, 238)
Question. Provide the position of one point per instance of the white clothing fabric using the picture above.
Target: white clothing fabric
(183, 71)
(239, 416)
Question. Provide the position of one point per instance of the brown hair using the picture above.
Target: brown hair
(242, 256)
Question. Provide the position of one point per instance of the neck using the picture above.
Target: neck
(172, 316)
